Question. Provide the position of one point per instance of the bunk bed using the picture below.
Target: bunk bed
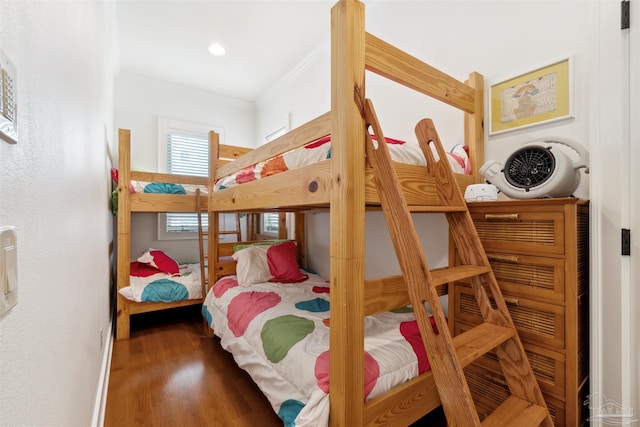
(344, 184)
(131, 199)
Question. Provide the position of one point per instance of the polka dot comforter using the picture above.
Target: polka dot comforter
(279, 334)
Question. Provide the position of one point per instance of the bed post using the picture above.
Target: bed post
(347, 217)
(214, 223)
(474, 126)
(124, 232)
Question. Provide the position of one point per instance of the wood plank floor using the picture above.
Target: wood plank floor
(169, 374)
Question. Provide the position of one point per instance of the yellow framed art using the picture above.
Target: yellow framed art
(540, 96)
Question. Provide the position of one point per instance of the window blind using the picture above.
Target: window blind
(186, 155)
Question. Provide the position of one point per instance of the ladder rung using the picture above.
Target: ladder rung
(479, 340)
(228, 232)
(451, 274)
(516, 412)
(420, 208)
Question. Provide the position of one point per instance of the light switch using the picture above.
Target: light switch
(8, 269)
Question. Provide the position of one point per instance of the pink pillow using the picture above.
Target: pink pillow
(276, 263)
(283, 263)
(139, 269)
(161, 261)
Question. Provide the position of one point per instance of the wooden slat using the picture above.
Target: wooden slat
(169, 178)
(394, 64)
(151, 202)
(436, 209)
(146, 307)
(299, 187)
(479, 340)
(452, 274)
(417, 185)
(388, 293)
(404, 404)
(515, 412)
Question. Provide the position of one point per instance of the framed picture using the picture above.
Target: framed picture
(540, 96)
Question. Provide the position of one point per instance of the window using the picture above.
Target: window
(183, 149)
(269, 223)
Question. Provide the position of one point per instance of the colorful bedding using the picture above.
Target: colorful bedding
(156, 277)
(160, 187)
(165, 188)
(279, 334)
(319, 150)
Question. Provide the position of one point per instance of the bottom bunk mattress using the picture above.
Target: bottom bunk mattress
(279, 334)
(156, 277)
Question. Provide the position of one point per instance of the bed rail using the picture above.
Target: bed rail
(312, 130)
(387, 60)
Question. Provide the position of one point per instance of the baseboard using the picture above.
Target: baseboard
(97, 420)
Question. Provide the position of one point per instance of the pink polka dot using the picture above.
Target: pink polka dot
(223, 285)
(320, 290)
(371, 373)
(411, 333)
(246, 306)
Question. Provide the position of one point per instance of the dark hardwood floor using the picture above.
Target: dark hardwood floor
(169, 374)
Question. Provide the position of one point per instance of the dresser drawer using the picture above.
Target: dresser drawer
(548, 365)
(534, 277)
(529, 276)
(507, 230)
(535, 321)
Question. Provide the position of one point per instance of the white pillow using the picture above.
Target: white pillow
(252, 265)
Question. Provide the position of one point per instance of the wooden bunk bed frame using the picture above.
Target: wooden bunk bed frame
(129, 203)
(345, 184)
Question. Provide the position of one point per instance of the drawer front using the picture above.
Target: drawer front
(534, 277)
(509, 230)
(536, 322)
(489, 391)
(528, 276)
(547, 365)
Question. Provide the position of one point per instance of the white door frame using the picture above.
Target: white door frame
(633, 300)
(615, 204)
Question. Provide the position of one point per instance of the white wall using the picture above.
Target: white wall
(496, 38)
(139, 101)
(54, 187)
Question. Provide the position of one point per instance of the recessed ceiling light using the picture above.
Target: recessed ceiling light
(216, 49)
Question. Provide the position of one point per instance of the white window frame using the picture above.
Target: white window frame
(165, 126)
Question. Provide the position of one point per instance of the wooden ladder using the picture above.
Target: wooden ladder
(202, 235)
(448, 356)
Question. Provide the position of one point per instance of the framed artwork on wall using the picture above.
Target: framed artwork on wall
(540, 96)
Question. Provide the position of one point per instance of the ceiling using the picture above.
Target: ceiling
(264, 40)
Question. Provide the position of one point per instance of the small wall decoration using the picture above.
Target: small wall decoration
(540, 96)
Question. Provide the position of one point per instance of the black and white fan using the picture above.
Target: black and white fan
(538, 170)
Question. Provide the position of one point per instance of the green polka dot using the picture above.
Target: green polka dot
(280, 334)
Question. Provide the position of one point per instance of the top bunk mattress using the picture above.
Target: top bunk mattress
(160, 187)
(406, 152)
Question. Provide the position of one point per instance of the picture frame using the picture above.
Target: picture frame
(543, 95)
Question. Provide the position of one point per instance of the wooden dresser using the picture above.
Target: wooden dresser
(539, 252)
